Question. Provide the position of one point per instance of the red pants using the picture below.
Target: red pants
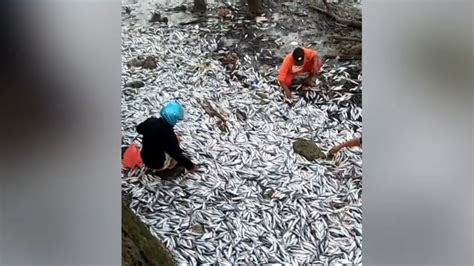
(307, 68)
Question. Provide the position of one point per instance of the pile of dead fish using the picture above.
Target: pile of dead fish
(252, 199)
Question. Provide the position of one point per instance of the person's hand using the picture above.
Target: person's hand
(317, 64)
(289, 95)
(333, 151)
(309, 82)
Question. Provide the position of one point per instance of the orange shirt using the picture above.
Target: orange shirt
(288, 62)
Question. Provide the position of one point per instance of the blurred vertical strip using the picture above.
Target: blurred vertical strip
(418, 182)
(24, 101)
(60, 134)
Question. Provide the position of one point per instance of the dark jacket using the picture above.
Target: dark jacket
(158, 138)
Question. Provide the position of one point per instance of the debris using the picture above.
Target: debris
(351, 23)
(342, 38)
(261, 19)
(135, 84)
(224, 12)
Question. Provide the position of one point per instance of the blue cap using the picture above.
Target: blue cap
(172, 112)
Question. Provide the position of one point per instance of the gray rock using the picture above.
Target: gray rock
(268, 193)
(135, 84)
(308, 149)
(149, 62)
(135, 62)
(156, 17)
(180, 8)
(198, 228)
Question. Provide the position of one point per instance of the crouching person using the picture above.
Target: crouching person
(160, 146)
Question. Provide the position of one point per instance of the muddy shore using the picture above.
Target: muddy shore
(288, 24)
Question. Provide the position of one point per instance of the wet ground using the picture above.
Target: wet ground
(289, 24)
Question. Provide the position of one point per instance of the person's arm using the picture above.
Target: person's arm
(286, 90)
(285, 68)
(173, 149)
(316, 62)
(347, 144)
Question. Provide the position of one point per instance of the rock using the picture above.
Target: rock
(268, 193)
(198, 228)
(181, 8)
(149, 63)
(135, 63)
(308, 149)
(139, 247)
(156, 17)
(199, 6)
(355, 50)
(135, 84)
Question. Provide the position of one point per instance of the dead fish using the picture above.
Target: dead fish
(224, 212)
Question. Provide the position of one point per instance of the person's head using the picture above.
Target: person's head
(172, 112)
(298, 56)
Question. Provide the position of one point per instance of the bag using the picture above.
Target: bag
(132, 157)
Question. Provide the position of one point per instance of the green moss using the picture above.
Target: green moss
(308, 149)
(139, 246)
(198, 228)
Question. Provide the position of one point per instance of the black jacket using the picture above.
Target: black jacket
(158, 138)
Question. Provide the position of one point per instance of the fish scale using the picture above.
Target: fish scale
(235, 169)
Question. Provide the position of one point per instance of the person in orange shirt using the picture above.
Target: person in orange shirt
(301, 60)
